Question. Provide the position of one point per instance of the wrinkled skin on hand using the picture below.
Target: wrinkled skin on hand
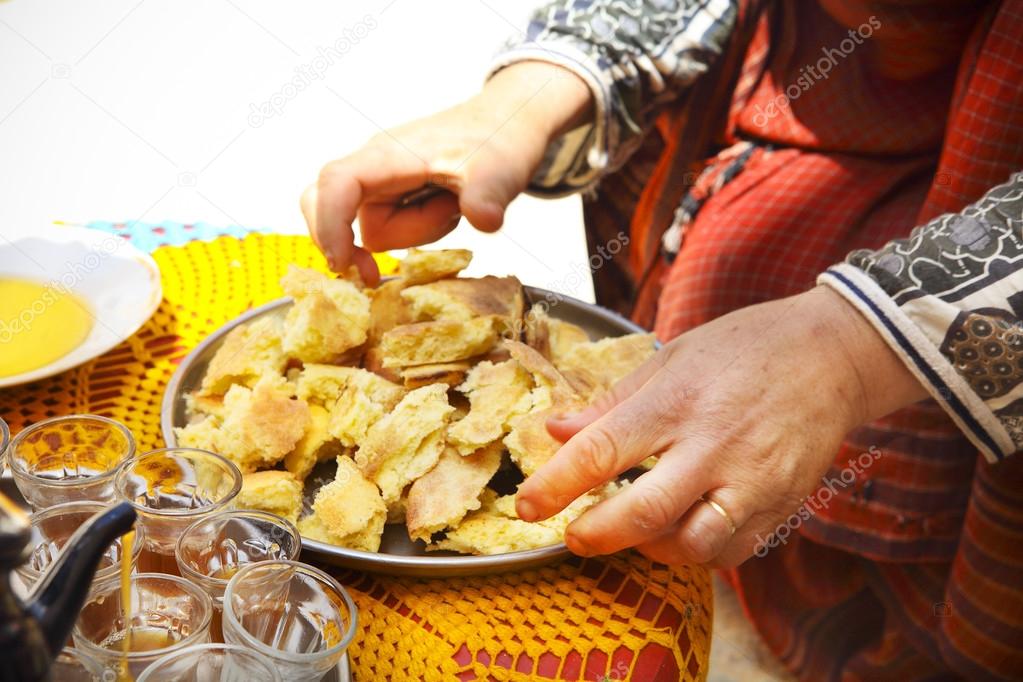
(748, 410)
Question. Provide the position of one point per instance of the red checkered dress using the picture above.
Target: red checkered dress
(914, 570)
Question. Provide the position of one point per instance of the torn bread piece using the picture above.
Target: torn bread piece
(552, 388)
(329, 317)
(355, 398)
(529, 443)
(551, 337)
(496, 528)
(316, 445)
(260, 425)
(277, 492)
(450, 373)
(248, 352)
(440, 498)
(497, 393)
(427, 343)
(594, 367)
(263, 424)
(465, 298)
(348, 511)
(406, 443)
(387, 309)
(421, 266)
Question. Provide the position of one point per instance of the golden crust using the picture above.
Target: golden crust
(441, 497)
(329, 317)
(260, 426)
(350, 509)
(406, 443)
(497, 394)
(277, 492)
(529, 443)
(248, 352)
(427, 343)
(355, 398)
(450, 373)
(594, 367)
(465, 298)
(421, 266)
(552, 387)
(387, 309)
(496, 528)
(315, 446)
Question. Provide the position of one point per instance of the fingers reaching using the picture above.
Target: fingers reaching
(342, 188)
(628, 433)
(386, 226)
(702, 534)
(639, 514)
(565, 426)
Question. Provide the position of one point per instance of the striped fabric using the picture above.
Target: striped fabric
(913, 570)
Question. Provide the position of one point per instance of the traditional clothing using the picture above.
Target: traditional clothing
(745, 148)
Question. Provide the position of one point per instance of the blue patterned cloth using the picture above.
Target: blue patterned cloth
(148, 236)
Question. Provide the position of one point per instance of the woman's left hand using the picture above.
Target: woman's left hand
(746, 411)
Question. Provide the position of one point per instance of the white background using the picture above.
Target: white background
(140, 110)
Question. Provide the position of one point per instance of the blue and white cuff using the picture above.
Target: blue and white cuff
(921, 355)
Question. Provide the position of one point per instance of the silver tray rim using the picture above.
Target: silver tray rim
(396, 564)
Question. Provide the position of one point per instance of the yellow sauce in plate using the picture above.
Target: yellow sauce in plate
(39, 324)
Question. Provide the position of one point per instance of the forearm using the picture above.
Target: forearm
(634, 57)
(551, 97)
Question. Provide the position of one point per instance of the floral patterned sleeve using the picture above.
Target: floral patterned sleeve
(635, 55)
(949, 301)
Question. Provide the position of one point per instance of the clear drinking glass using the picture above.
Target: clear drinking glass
(172, 488)
(296, 615)
(5, 438)
(73, 665)
(212, 549)
(212, 663)
(53, 527)
(68, 459)
(167, 613)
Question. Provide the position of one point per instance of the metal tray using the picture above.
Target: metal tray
(398, 555)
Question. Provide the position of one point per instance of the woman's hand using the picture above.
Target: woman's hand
(483, 151)
(747, 411)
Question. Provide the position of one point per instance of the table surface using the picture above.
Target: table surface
(142, 110)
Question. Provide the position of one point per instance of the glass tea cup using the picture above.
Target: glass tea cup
(212, 663)
(73, 665)
(296, 615)
(165, 614)
(170, 489)
(215, 547)
(51, 530)
(69, 459)
(5, 439)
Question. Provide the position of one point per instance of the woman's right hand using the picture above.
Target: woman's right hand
(482, 151)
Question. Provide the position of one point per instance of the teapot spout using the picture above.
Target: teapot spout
(60, 594)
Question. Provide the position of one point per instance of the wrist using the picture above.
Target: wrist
(550, 98)
(876, 378)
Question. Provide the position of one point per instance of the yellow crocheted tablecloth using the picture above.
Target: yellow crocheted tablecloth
(615, 618)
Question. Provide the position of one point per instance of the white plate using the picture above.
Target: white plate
(120, 284)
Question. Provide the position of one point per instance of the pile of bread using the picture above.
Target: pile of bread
(420, 389)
